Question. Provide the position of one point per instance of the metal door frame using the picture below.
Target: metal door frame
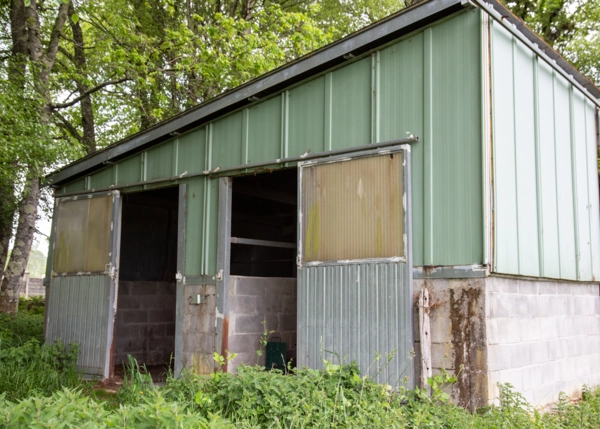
(180, 278)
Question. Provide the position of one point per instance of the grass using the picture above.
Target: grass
(39, 388)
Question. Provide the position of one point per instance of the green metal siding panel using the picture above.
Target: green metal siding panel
(591, 116)
(211, 220)
(582, 196)
(75, 186)
(547, 164)
(129, 170)
(564, 179)
(350, 101)
(544, 148)
(227, 141)
(306, 112)
(194, 227)
(401, 106)
(102, 179)
(264, 131)
(456, 141)
(191, 152)
(159, 161)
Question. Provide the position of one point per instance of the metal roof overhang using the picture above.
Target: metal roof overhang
(365, 40)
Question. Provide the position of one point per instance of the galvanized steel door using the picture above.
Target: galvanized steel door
(82, 292)
(355, 264)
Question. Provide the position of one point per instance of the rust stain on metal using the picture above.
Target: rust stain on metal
(225, 341)
(468, 340)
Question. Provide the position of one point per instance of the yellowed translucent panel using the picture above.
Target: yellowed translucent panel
(83, 230)
(353, 209)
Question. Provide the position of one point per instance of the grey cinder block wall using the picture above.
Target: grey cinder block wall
(253, 300)
(543, 337)
(145, 322)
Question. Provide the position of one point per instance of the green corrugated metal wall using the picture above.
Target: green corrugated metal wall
(428, 84)
(544, 141)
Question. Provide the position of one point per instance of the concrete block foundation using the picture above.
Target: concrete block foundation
(541, 337)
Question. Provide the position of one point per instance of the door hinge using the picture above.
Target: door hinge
(180, 277)
(219, 275)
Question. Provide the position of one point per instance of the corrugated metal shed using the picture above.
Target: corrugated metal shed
(427, 84)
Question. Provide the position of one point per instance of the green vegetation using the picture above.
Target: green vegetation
(40, 389)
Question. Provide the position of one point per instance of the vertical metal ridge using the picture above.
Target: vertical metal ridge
(538, 169)
(573, 146)
(428, 148)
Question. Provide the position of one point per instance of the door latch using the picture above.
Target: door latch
(110, 270)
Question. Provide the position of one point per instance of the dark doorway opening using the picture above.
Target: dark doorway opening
(262, 291)
(263, 224)
(145, 324)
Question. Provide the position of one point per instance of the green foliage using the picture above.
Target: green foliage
(337, 396)
(136, 382)
(16, 330)
(71, 408)
(35, 369)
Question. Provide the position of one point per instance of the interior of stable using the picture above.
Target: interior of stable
(145, 323)
(264, 218)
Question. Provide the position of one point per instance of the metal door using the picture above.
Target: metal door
(355, 264)
(81, 300)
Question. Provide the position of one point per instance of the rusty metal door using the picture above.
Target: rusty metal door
(355, 264)
(84, 260)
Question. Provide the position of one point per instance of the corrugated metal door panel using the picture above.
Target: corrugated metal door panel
(401, 113)
(81, 306)
(564, 179)
(264, 131)
(350, 103)
(305, 113)
(159, 161)
(129, 170)
(227, 141)
(547, 164)
(582, 195)
(455, 138)
(594, 204)
(102, 179)
(355, 313)
(506, 239)
(79, 314)
(355, 310)
(191, 152)
(526, 177)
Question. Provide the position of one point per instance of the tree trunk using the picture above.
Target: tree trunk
(13, 276)
(7, 214)
(87, 112)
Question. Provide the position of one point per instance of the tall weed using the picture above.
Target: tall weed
(35, 369)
